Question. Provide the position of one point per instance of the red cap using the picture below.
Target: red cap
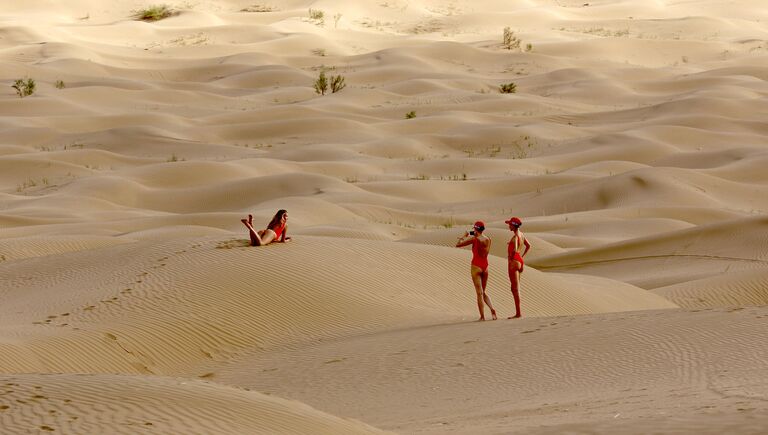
(479, 224)
(514, 221)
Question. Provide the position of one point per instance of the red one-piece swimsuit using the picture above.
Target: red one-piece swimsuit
(479, 258)
(512, 252)
(278, 231)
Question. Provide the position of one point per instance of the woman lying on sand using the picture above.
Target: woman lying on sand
(515, 262)
(275, 232)
(479, 270)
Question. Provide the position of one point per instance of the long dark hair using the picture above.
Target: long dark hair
(275, 222)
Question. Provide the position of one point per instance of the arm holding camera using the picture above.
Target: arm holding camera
(465, 239)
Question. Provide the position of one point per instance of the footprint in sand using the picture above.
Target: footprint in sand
(47, 428)
(529, 331)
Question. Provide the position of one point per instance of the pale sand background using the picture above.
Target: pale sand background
(634, 150)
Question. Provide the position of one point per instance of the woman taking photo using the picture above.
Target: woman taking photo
(481, 244)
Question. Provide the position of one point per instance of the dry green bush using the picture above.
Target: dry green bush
(510, 41)
(24, 88)
(508, 88)
(154, 13)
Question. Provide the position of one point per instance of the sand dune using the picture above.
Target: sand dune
(633, 147)
(129, 404)
(164, 314)
(559, 373)
(720, 248)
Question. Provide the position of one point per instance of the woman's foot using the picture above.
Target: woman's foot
(493, 314)
(250, 219)
(516, 316)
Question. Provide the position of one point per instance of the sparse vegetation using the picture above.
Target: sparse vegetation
(59, 84)
(510, 40)
(258, 8)
(410, 115)
(321, 83)
(24, 88)
(319, 52)
(154, 13)
(337, 83)
(174, 158)
(508, 88)
(529, 47)
(317, 15)
(336, 19)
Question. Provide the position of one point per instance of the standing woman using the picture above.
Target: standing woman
(275, 232)
(481, 244)
(515, 260)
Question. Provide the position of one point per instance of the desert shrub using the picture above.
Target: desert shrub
(321, 83)
(258, 8)
(337, 83)
(154, 13)
(59, 84)
(508, 88)
(528, 47)
(510, 41)
(410, 115)
(319, 52)
(317, 15)
(24, 88)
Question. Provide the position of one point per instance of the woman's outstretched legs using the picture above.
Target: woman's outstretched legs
(514, 280)
(255, 238)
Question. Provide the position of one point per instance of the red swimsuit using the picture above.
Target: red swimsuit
(278, 231)
(479, 258)
(513, 254)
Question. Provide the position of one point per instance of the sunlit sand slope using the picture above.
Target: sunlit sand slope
(606, 373)
(115, 404)
(168, 307)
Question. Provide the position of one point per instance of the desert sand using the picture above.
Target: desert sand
(633, 148)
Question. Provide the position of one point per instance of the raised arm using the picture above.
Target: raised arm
(464, 240)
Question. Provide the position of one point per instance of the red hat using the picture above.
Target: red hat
(514, 221)
(479, 224)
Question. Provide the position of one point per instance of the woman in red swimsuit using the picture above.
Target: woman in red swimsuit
(480, 246)
(275, 231)
(515, 260)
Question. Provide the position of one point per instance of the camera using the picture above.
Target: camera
(472, 233)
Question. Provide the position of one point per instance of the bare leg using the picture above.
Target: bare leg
(486, 298)
(514, 279)
(477, 281)
(250, 219)
(255, 239)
